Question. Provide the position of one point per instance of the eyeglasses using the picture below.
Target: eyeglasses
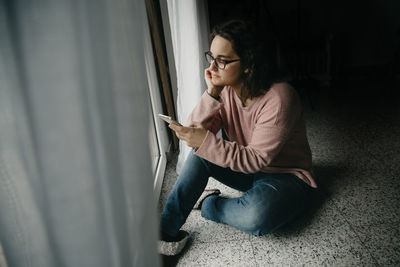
(220, 63)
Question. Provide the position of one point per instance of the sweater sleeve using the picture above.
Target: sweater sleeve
(272, 129)
(207, 112)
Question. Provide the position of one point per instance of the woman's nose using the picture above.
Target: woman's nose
(213, 66)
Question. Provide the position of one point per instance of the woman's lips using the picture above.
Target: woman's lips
(214, 75)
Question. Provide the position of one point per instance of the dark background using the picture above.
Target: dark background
(349, 50)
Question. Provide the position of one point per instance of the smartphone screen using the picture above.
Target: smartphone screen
(167, 119)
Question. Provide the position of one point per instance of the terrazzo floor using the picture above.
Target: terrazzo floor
(355, 220)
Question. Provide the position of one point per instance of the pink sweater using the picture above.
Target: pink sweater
(269, 135)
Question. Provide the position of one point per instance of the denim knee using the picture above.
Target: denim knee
(208, 209)
(251, 220)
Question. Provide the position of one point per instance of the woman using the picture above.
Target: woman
(265, 152)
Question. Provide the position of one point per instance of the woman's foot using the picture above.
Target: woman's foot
(170, 245)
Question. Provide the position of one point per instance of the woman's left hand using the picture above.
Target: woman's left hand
(193, 135)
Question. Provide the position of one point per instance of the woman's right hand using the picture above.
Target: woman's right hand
(212, 89)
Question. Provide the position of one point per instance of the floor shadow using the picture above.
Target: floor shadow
(326, 176)
(169, 261)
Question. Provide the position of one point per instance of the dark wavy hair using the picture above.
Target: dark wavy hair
(256, 54)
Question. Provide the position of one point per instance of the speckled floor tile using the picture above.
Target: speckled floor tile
(383, 242)
(283, 252)
(328, 143)
(370, 198)
(374, 132)
(328, 241)
(368, 206)
(306, 252)
(378, 143)
(232, 253)
(358, 170)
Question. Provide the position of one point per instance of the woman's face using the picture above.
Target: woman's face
(222, 48)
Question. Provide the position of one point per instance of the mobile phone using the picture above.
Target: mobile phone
(167, 119)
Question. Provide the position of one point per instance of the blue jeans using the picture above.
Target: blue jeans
(270, 200)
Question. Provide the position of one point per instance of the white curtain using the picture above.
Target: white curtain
(76, 187)
(189, 33)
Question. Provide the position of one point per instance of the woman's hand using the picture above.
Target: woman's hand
(212, 89)
(193, 135)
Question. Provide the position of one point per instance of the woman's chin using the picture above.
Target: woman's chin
(217, 81)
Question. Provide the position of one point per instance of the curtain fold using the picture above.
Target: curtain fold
(76, 186)
(189, 33)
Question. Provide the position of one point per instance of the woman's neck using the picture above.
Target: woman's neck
(245, 102)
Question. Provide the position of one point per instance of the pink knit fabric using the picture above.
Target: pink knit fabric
(269, 135)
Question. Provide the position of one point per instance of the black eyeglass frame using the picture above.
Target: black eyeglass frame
(218, 60)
